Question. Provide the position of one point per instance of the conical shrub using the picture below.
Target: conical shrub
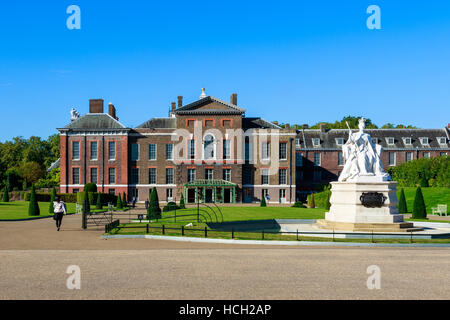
(154, 211)
(263, 202)
(311, 202)
(99, 202)
(119, 204)
(402, 208)
(33, 206)
(182, 204)
(124, 200)
(419, 208)
(86, 204)
(5, 194)
(327, 202)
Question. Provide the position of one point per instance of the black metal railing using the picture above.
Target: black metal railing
(372, 236)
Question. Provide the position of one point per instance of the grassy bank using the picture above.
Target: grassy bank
(432, 197)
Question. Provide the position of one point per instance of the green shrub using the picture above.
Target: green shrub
(119, 203)
(33, 206)
(299, 204)
(91, 198)
(263, 202)
(154, 211)
(419, 209)
(5, 194)
(402, 208)
(182, 204)
(52, 199)
(90, 187)
(171, 206)
(311, 201)
(99, 202)
(124, 200)
(86, 204)
(434, 172)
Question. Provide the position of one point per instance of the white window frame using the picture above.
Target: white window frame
(315, 145)
(297, 142)
(442, 143)
(340, 139)
(156, 152)
(406, 143)
(156, 175)
(393, 141)
(406, 156)
(90, 150)
(214, 147)
(320, 159)
(428, 153)
(109, 150)
(207, 176)
(395, 159)
(424, 143)
(286, 151)
(73, 149)
(169, 158)
(265, 172)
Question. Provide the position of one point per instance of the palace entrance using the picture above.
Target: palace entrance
(210, 191)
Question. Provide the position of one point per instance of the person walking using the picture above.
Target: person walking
(59, 209)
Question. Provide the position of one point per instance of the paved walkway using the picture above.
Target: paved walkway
(34, 258)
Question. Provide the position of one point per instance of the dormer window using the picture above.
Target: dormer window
(297, 142)
(316, 142)
(339, 141)
(442, 140)
(424, 141)
(408, 141)
(390, 141)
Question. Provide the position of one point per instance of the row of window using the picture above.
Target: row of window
(93, 150)
(93, 175)
(425, 141)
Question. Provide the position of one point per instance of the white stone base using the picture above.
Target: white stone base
(346, 206)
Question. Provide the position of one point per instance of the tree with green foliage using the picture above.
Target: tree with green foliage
(182, 204)
(154, 211)
(402, 208)
(311, 203)
(86, 204)
(52, 199)
(263, 202)
(419, 208)
(119, 204)
(33, 206)
(5, 194)
(99, 202)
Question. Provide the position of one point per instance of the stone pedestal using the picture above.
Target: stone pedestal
(347, 211)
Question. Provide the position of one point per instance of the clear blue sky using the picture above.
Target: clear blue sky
(291, 61)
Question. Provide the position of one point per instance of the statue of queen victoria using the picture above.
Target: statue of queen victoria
(362, 158)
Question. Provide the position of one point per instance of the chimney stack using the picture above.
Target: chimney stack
(96, 106)
(323, 127)
(112, 111)
(233, 99)
(305, 126)
(287, 126)
(180, 101)
(173, 106)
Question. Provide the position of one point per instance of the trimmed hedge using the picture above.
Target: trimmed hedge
(433, 172)
(298, 204)
(71, 197)
(171, 206)
(319, 200)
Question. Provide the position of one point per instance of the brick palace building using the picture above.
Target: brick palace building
(211, 150)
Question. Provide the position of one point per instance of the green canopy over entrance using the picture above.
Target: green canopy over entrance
(210, 191)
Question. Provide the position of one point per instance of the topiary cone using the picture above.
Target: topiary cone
(402, 208)
(419, 208)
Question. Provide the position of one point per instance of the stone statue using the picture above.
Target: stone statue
(362, 158)
(74, 114)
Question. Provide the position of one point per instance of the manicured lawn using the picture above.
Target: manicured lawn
(19, 210)
(250, 213)
(432, 197)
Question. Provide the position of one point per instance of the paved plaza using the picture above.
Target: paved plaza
(34, 258)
